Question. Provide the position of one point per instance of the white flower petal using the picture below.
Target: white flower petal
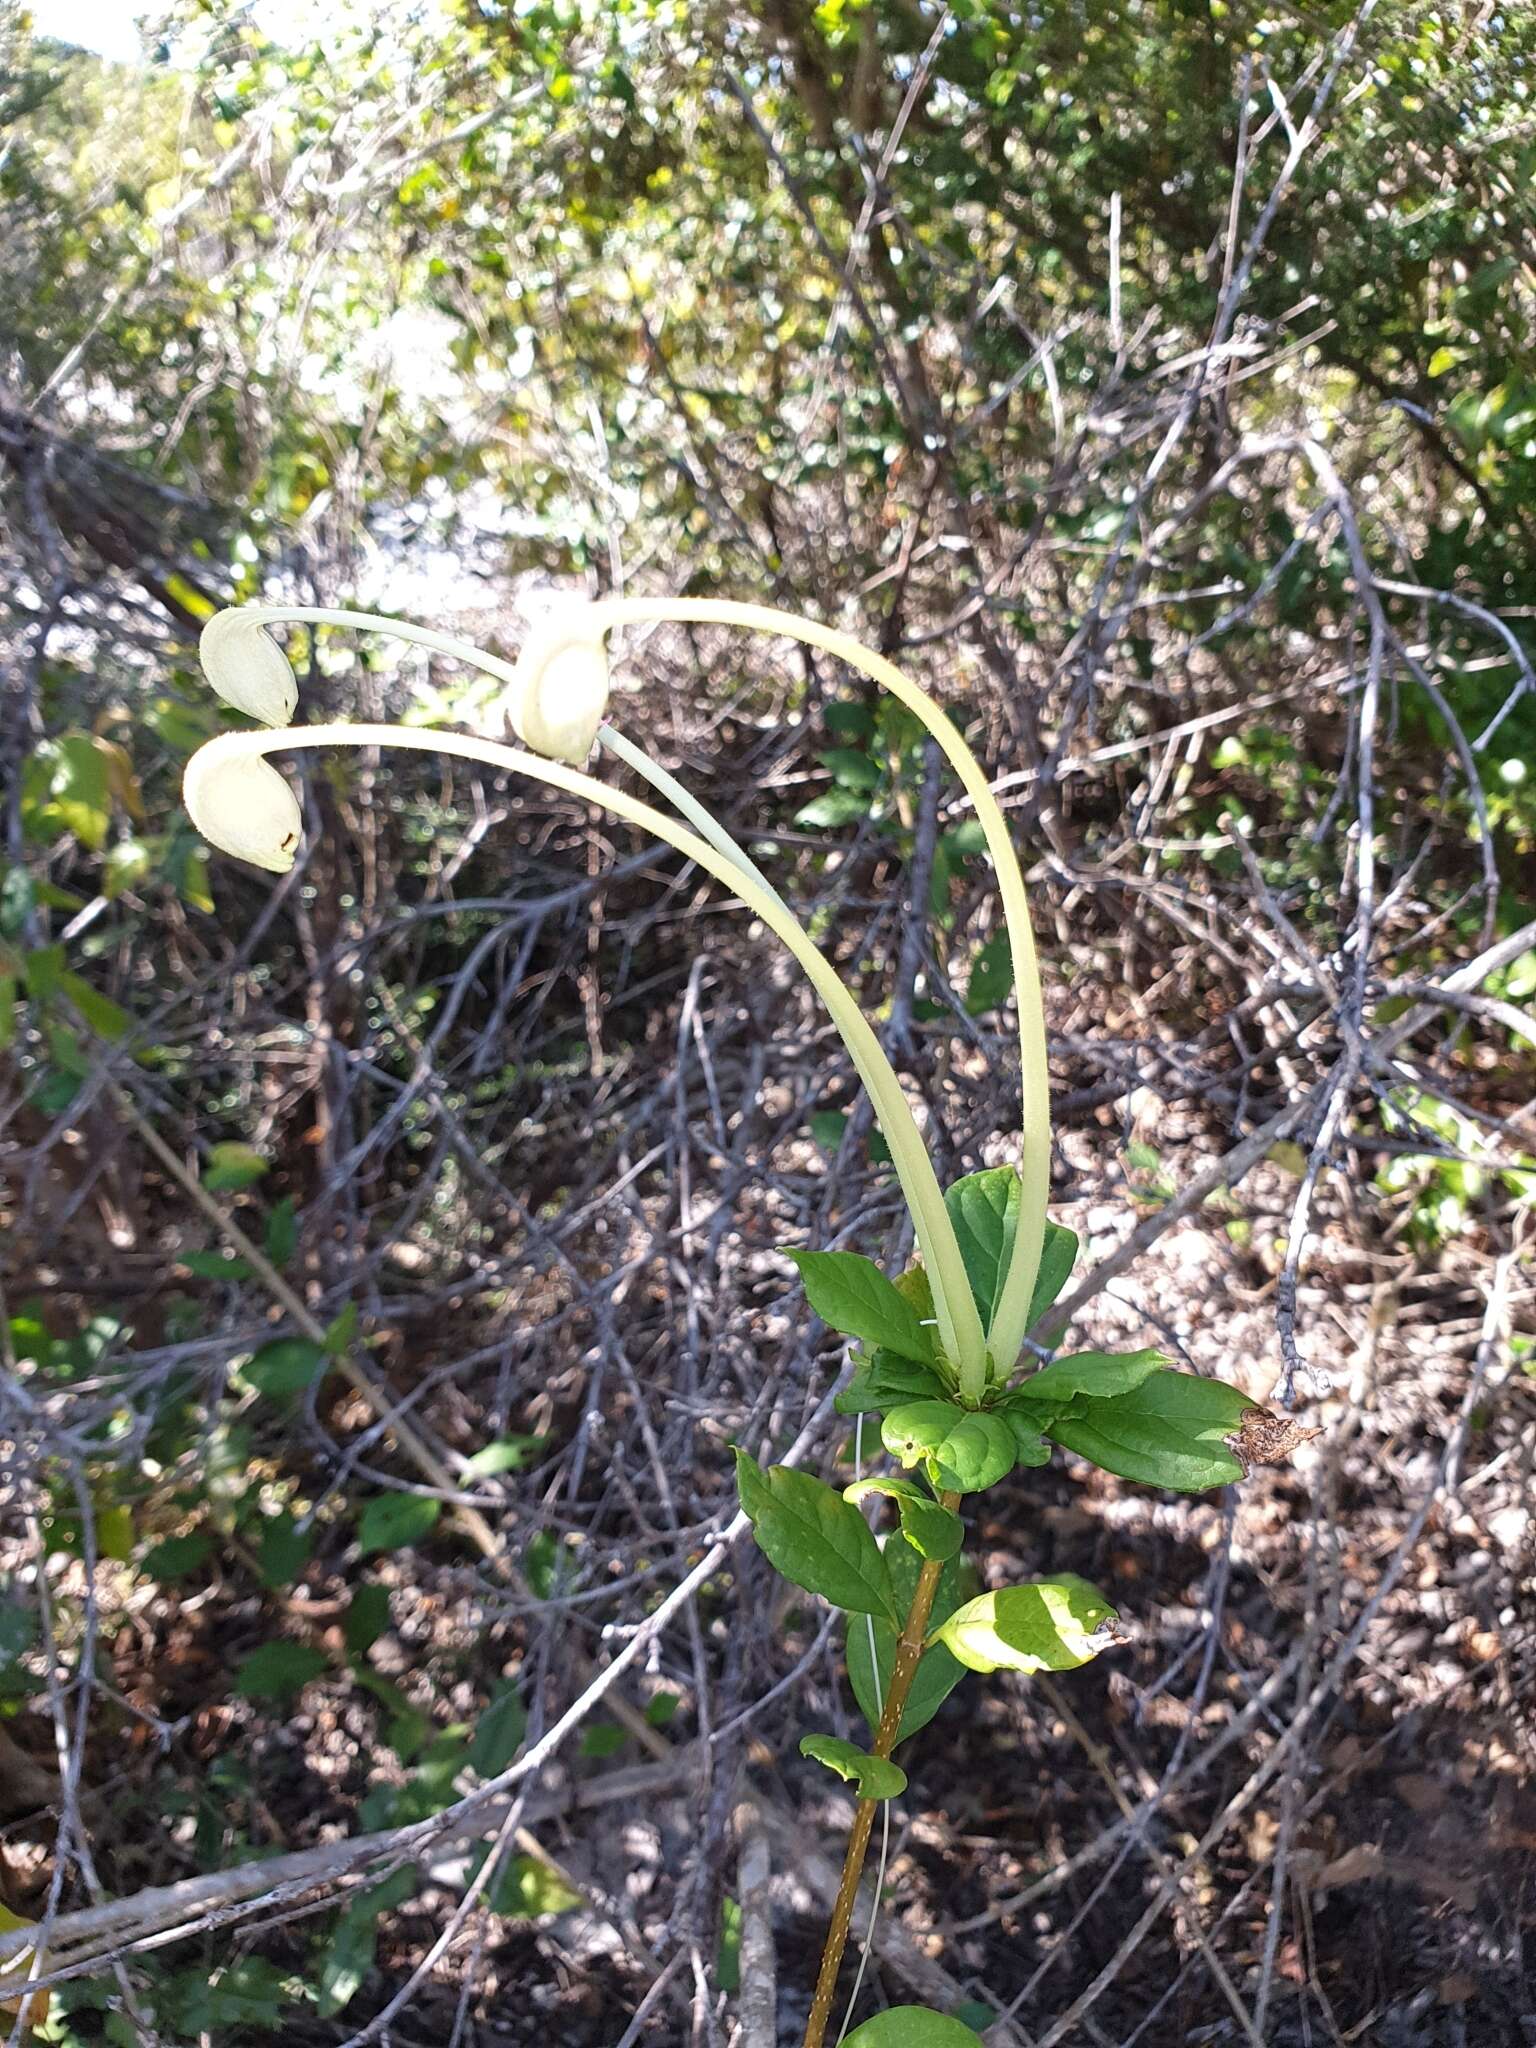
(241, 805)
(561, 692)
(247, 668)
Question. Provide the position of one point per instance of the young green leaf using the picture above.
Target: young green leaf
(277, 1671)
(175, 1556)
(285, 1366)
(1102, 1375)
(1169, 1431)
(991, 976)
(525, 1888)
(499, 1732)
(876, 1776)
(814, 1537)
(911, 2026)
(937, 1672)
(1052, 1625)
(1058, 1255)
(885, 1381)
(851, 1294)
(367, 1617)
(392, 1520)
(232, 1166)
(1027, 1425)
(961, 1450)
(984, 1208)
(932, 1531)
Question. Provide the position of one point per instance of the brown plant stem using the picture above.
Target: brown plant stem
(909, 1648)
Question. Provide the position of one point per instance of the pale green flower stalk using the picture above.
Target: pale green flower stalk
(242, 805)
(555, 698)
(1010, 1315)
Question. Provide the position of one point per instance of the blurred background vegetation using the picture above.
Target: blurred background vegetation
(387, 1250)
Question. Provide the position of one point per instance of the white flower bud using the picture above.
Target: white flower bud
(557, 702)
(246, 666)
(241, 805)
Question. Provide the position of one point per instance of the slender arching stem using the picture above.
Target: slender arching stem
(959, 1324)
(684, 802)
(1010, 1316)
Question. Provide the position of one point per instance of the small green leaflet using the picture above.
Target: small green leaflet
(277, 1671)
(1026, 1423)
(876, 1776)
(911, 2026)
(991, 976)
(499, 1732)
(1058, 1255)
(285, 1366)
(281, 1237)
(525, 1888)
(175, 1556)
(851, 1294)
(231, 1166)
(885, 1381)
(1169, 1431)
(391, 1520)
(1052, 1625)
(1102, 1375)
(937, 1672)
(984, 1208)
(367, 1617)
(349, 1957)
(814, 1537)
(932, 1531)
(962, 1451)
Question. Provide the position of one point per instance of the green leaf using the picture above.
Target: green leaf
(282, 1233)
(499, 1731)
(984, 1209)
(508, 1454)
(602, 1739)
(285, 1366)
(1052, 1625)
(232, 1166)
(106, 1018)
(342, 1330)
(283, 1550)
(932, 1531)
(525, 1888)
(367, 1617)
(220, 1264)
(938, 1673)
(885, 1381)
(392, 1520)
(1027, 1425)
(911, 2026)
(876, 1776)
(220, 2006)
(837, 807)
(962, 1451)
(853, 1295)
(177, 1555)
(728, 1951)
(1058, 1255)
(278, 1671)
(815, 1538)
(850, 769)
(1170, 1431)
(1102, 1375)
(991, 976)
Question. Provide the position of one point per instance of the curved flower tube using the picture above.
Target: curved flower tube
(229, 797)
(1010, 1315)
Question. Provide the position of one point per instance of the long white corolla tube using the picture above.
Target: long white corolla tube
(241, 804)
